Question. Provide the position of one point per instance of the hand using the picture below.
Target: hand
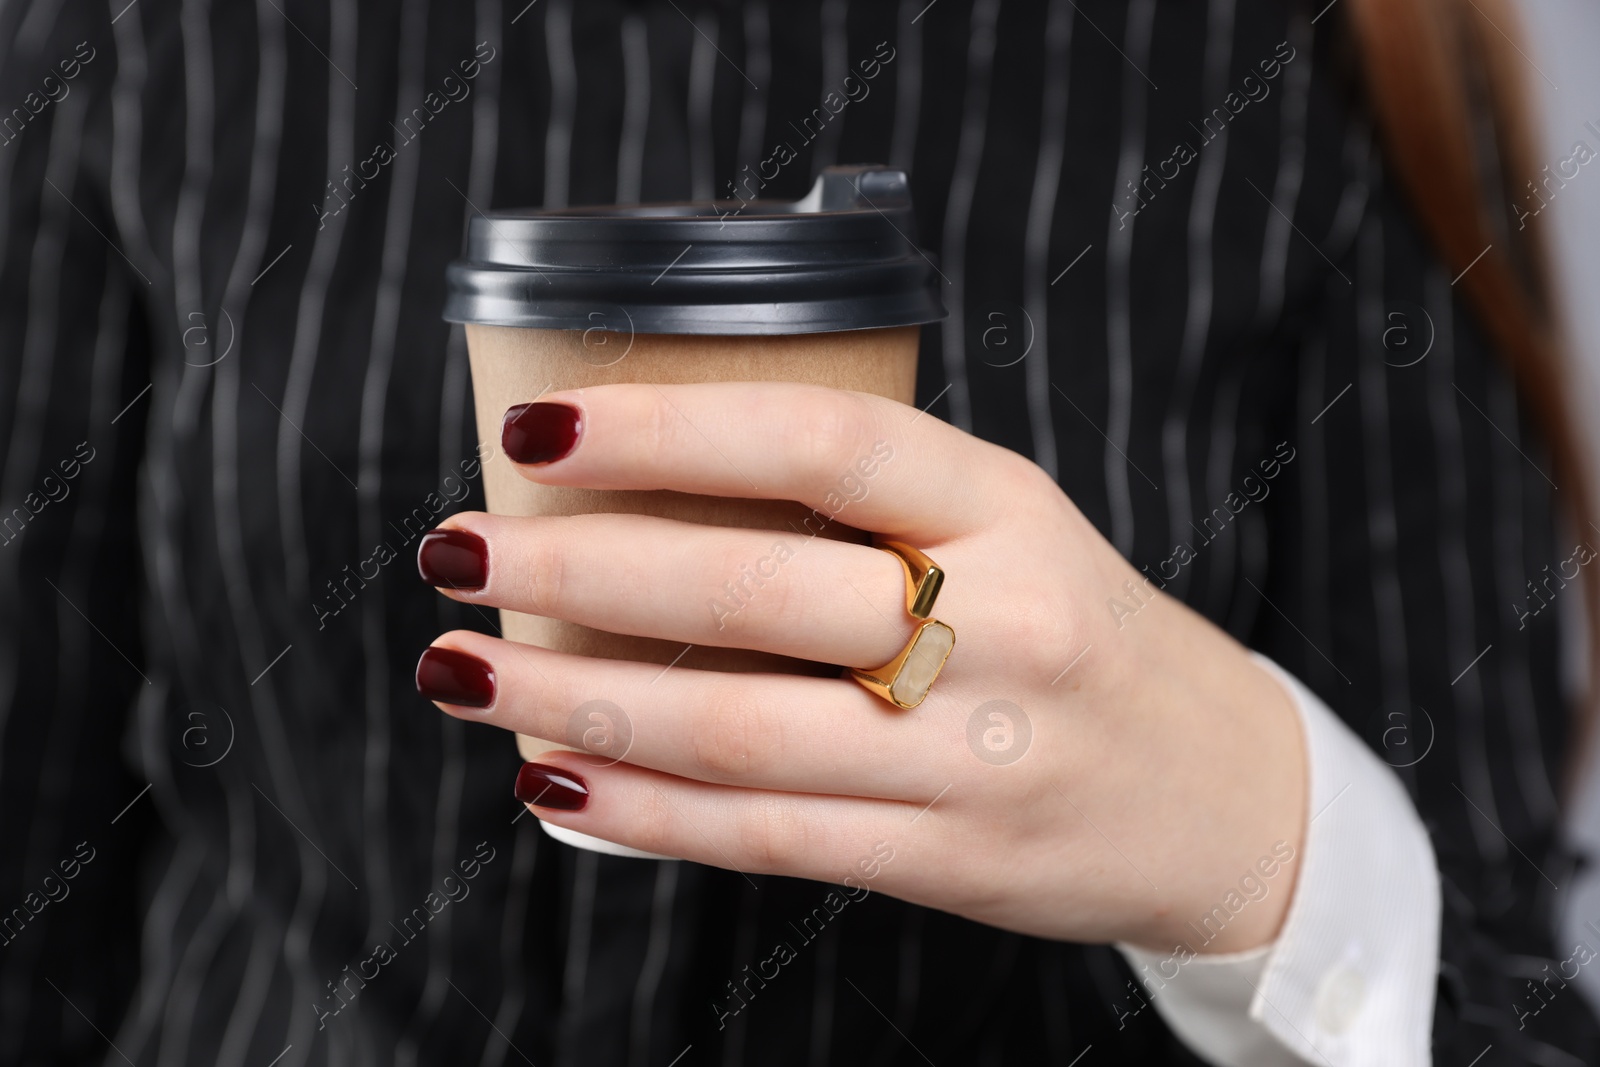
(1156, 767)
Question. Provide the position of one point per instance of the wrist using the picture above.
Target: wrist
(1247, 776)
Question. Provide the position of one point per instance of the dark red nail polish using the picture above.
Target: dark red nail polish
(454, 559)
(452, 677)
(544, 786)
(539, 433)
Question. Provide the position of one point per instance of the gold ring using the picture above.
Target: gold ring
(905, 680)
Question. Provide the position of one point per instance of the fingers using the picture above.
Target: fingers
(872, 462)
(852, 843)
(759, 731)
(778, 592)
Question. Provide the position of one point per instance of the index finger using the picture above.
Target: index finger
(889, 467)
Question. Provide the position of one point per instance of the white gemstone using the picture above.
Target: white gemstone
(928, 653)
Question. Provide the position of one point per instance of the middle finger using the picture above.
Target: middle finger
(772, 591)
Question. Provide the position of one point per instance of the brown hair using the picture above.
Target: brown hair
(1436, 73)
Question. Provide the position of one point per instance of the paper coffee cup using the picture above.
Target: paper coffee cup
(830, 289)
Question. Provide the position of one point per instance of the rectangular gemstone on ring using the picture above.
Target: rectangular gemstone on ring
(928, 652)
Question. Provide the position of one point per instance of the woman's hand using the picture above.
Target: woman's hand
(1075, 773)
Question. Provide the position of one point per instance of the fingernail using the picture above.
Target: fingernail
(551, 787)
(454, 559)
(539, 433)
(452, 677)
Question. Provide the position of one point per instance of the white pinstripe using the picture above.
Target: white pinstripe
(249, 1002)
(835, 65)
(958, 210)
(127, 135)
(658, 950)
(1314, 395)
(1274, 272)
(25, 436)
(1041, 214)
(74, 633)
(41, 343)
(480, 183)
(1509, 480)
(480, 186)
(580, 931)
(302, 365)
(526, 843)
(1291, 171)
(753, 107)
(1359, 152)
(234, 557)
(158, 941)
(1218, 51)
(156, 523)
(386, 312)
(702, 83)
(8, 159)
(485, 118)
(1119, 265)
(183, 995)
(453, 405)
(1225, 551)
(1372, 403)
(10, 579)
(305, 348)
(1315, 585)
(908, 87)
(635, 108)
(37, 23)
(188, 285)
(452, 773)
(1455, 572)
(199, 117)
(563, 102)
(262, 964)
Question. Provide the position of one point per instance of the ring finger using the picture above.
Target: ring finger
(766, 731)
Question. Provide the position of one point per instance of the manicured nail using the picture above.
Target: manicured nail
(551, 787)
(452, 677)
(454, 559)
(539, 433)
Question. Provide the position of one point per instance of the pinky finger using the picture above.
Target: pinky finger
(751, 831)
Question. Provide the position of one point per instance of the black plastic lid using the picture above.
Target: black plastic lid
(843, 258)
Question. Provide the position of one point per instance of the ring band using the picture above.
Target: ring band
(905, 680)
(924, 579)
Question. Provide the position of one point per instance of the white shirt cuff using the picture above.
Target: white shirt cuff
(1350, 980)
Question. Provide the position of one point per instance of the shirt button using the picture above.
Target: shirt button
(1339, 1000)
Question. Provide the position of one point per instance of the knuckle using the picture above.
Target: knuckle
(732, 741)
(830, 427)
(1023, 479)
(774, 835)
(1047, 637)
(545, 577)
(653, 825)
(660, 430)
(749, 591)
